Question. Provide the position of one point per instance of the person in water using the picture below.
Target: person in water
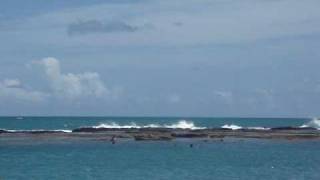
(113, 140)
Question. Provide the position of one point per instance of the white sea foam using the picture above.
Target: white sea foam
(236, 127)
(231, 126)
(63, 130)
(182, 124)
(258, 128)
(116, 126)
(314, 123)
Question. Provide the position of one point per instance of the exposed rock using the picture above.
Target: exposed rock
(92, 130)
(43, 132)
(293, 128)
(169, 134)
(3, 131)
(190, 135)
(153, 137)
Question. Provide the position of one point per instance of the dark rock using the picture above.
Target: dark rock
(3, 131)
(189, 135)
(44, 132)
(93, 130)
(140, 134)
(153, 137)
(218, 136)
(90, 129)
(293, 128)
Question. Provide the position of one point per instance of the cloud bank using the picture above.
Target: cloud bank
(13, 89)
(73, 85)
(68, 86)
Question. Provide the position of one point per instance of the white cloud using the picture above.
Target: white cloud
(12, 89)
(71, 85)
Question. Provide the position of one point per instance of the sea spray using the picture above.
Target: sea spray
(236, 127)
(182, 124)
(231, 126)
(314, 123)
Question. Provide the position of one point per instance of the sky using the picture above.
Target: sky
(231, 58)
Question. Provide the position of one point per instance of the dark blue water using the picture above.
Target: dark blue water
(84, 159)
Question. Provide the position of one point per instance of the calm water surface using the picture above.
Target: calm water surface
(231, 159)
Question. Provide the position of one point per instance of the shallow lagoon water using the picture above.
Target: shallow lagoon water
(231, 159)
(128, 159)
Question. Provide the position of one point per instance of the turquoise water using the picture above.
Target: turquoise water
(51, 123)
(127, 159)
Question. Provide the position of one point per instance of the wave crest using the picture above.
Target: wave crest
(314, 123)
(182, 124)
(231, 126)
(236, 127)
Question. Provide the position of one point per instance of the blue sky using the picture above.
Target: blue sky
(256, 58)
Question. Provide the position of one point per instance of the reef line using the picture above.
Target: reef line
(139, 134)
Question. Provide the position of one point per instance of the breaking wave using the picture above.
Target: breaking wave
(314, 123)
(236, 127)
(231, 126)
(182, 124)
(259, 128)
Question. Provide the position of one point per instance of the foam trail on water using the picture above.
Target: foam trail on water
(314, 123)
(182, 124)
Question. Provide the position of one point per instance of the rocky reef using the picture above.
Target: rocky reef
(141, 134)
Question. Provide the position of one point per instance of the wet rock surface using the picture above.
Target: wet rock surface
(141, 134)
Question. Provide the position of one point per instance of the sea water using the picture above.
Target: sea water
(128, 159)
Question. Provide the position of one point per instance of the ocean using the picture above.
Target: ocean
(129, 159)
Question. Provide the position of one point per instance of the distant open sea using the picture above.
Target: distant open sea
(127, 159)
